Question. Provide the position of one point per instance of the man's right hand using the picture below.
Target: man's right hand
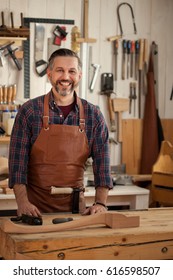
(24, 206)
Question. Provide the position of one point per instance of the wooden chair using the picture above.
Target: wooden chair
(162, 176)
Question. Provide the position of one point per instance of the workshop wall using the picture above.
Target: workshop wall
(154, 21)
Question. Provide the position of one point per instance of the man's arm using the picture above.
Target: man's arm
(24, 206)
(100, 201)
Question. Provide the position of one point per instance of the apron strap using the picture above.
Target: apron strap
(46, 113)
(81, 115)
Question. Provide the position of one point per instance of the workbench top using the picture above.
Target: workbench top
(153, 239)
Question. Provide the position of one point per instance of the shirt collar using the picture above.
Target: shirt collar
(52, 102)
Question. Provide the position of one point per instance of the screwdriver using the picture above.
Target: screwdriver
(128, 58)
(124, 45)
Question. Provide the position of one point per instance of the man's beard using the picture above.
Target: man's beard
(64, 92)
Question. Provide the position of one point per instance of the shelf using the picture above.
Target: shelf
(17, 40)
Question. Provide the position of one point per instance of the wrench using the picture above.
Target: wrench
(96, 71)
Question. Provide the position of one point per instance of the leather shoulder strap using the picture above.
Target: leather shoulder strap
(46, 112)
(81, 114)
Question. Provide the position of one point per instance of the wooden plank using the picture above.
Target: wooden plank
(131, 147)
(132, 142)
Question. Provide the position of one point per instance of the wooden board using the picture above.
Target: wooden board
(132, 141)
(97, 243)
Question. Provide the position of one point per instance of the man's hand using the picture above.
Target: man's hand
(24, 206)
(94, 209)
(100, 197)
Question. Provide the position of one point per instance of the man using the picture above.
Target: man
(52, 138)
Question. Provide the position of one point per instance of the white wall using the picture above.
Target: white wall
(153, 20)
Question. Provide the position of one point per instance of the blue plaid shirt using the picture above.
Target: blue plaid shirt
(28, 124)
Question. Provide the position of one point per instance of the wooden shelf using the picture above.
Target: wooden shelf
(17, 40)
(4, 139)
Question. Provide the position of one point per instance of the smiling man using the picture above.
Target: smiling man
(53, 136)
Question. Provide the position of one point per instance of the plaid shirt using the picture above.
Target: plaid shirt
(28, 124)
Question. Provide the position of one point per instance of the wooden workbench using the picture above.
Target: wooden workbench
(153, 239)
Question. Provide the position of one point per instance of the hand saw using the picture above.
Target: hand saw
(40, 63)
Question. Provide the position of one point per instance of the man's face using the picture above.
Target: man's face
(64, 75)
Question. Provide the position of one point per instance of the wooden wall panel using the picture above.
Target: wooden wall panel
(132, 142)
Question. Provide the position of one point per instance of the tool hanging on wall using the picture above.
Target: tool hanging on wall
(84, 50)
(11, 53)
(12, 31)
(124, 46)
(140, 83)
(116, 44)
(136, 58)
(107, 89)
(60, 35)
(27, 22)
(75, 35)
(40, 63)
(119, 20)
(128, 58)
(132, 97)
(171, 96)
(145, 66)
(96, 72)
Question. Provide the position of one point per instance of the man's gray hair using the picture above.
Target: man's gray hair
(63, 52)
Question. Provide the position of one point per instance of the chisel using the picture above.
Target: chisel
(124, 45)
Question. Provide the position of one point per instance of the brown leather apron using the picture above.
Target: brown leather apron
(58, 159)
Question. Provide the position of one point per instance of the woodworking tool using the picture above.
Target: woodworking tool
(116, 58)
(61, 220)
(107, 89)
(132, 50)
(128, 58)
(60, 35)
(124, 46)
(140, 91)
(40, 63)
(154, 52)
(171, 96)
(75, 34)
(11, 53)
(130, 98)
(28, 219)
(145, 66)
(84, 51)
(96, 71)
(27, 22)
(136, 59)
(119, 20)
(134, 97)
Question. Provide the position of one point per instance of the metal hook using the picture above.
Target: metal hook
(133, 18)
